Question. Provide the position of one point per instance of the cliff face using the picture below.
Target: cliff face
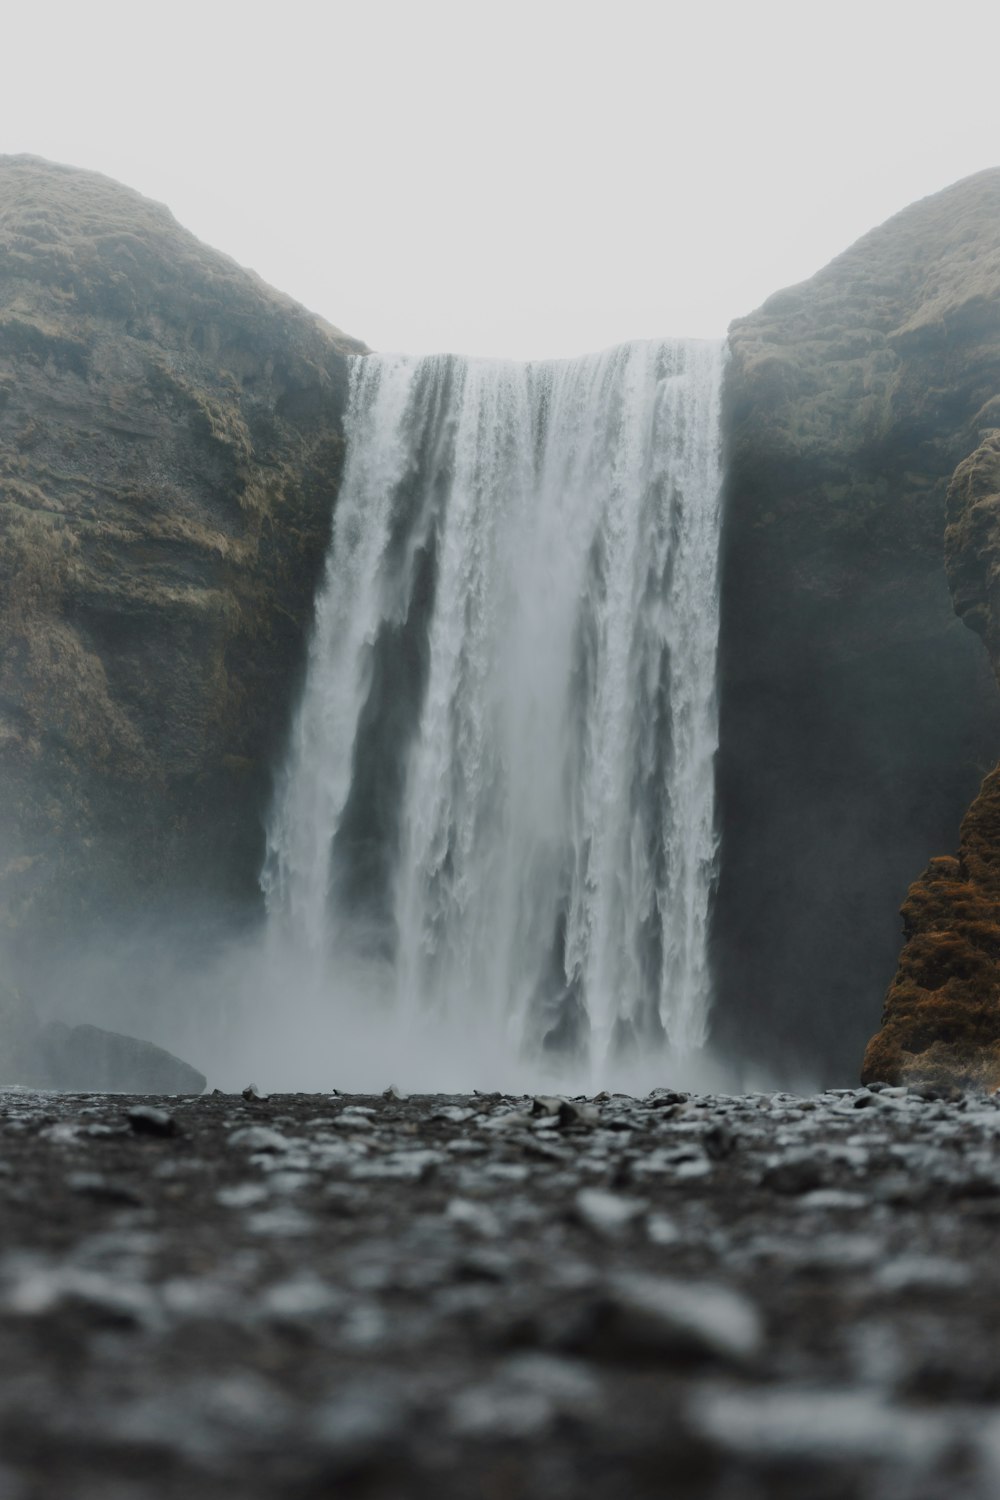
(170, 448)
(858, 716)
(941, 1022)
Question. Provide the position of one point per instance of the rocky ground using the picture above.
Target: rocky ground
(759, 1297)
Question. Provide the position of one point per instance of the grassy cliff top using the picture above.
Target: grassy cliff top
(900, 331)
(104, 248)
(935, 262)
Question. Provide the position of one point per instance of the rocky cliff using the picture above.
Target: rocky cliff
(858, 715)
(941, 1022)
(170, 448)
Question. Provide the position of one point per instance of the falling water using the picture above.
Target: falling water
(497, 811)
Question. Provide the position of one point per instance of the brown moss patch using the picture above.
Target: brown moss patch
(941, 1022)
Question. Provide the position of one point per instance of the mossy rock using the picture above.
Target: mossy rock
(170, 451)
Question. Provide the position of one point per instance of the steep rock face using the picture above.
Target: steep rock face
(941, 1022)
(858, 717)
(170, 447)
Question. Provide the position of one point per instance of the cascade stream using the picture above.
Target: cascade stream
(496, 815)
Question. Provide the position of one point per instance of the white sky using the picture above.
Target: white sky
(514, 178)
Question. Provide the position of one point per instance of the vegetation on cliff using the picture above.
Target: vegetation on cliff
(941, 1023)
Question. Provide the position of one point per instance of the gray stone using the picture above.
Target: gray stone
(145, 1120)
(795, 1172)
(692, 1322)
(608, 1214)
(824, 1426)
(575, 1112)
(259, 1138)
(103, 1189)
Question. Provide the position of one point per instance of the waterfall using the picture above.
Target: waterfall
(496, 816)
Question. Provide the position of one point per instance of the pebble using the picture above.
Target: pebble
(103, 1189)
(662, 1230)
(242, 1195)
(832, 1200)
(359, 1430)
(921, 1273)
(477, 1217)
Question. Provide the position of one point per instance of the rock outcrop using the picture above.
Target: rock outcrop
(170, 449)
(51, 1055)
(941, 1022)
(858, 716)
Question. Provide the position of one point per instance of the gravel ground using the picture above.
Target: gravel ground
(754, 1297)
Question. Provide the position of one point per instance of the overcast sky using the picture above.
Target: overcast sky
(514, 178)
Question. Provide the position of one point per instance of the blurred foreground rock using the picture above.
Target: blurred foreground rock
(444, 1297)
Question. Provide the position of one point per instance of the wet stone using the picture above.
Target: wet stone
(143, 1119)
(641, 1315)
(360, 1430)
(821, 1428)
(796, 1172)
(259, 1138)
(608, 1214)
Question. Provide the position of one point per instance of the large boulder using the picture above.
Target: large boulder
(170, 449)
(52, 1055)
(89, 1058)
(858, 716)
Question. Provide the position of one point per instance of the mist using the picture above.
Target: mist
(248, 1009)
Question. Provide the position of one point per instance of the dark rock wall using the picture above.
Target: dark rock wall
(170, 449)
(858, 716)
(941, 1022)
